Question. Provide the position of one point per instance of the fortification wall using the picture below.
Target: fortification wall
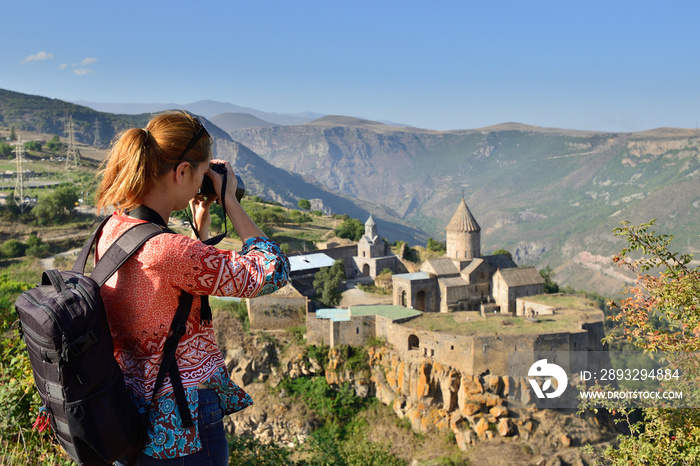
(318, 331)
(354, 332)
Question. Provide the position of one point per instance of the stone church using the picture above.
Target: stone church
(373, 255)
(463, 279)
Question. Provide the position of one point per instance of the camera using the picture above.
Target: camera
(207, 188)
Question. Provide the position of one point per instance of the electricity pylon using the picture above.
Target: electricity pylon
(19, 178)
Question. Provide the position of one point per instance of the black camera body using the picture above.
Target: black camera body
(207, 188)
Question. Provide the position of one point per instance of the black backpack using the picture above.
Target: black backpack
(65, 328)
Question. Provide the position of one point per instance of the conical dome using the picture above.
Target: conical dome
(463, 220)
(370, 227)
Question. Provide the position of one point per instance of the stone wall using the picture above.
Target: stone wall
(318, 331)
(354, 332)
(528, 308)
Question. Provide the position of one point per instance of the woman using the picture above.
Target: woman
(152, 172)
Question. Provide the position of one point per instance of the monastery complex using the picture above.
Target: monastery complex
(464, 309)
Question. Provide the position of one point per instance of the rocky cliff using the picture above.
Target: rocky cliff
(434, 399)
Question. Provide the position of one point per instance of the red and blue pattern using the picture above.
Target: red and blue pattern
(141, 299)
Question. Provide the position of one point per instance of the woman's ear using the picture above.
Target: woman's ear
(181, 171)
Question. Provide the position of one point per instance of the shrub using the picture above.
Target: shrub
(12, 248)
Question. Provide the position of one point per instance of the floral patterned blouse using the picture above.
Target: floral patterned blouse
(141, 300)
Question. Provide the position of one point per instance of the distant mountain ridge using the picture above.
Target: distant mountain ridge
(549, 196)
(206, 108)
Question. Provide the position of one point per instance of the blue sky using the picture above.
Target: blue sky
(594, 65)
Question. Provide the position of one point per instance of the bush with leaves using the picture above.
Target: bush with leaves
(666, 290)
(12, 248)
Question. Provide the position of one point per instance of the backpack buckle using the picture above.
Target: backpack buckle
(180, 330)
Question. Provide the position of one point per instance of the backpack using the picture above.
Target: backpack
(65, 328)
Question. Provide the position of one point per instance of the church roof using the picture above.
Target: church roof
(310, 261)
(370, 221)
(521, 276)
(452, 282)
(463, 220)
(440, 266)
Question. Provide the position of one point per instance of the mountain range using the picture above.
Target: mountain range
(549, 196)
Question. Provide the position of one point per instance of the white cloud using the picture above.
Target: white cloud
(63, 66)
(88, 61)
(82, 71)
(38, 56)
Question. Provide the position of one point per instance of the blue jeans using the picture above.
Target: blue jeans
(214, 450)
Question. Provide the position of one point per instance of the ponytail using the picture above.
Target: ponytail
(140, 155)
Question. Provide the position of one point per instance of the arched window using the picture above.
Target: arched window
(413, 342)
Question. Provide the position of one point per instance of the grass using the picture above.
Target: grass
(456, 323)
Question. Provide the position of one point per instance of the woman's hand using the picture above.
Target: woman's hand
(217, 180)
(201, 218)
(242, 223)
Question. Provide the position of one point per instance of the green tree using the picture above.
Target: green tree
(666, 291)
(57, 206)
(434, 245)
(34, 146)
(5, 149)
(327, 283)
(304, 204)
(351, 228)
(55, 144)
(550, 286)
(13, 134)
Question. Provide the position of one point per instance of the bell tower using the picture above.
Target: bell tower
(463, 235)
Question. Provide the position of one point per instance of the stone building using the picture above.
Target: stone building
(463, 279)
(373, 255)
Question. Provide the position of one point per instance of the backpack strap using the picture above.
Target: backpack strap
(169, 363)
(124, 247)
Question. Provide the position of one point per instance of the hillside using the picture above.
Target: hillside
(550, 196)
(44, 115)
(36, 117)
